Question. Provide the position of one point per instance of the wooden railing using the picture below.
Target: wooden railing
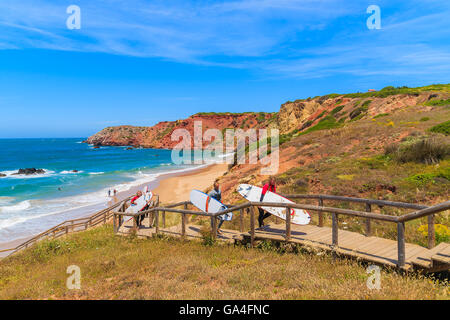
(69, 226)
(251, 209)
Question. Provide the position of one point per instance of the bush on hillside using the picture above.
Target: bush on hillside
(420, 150)
(443, 128)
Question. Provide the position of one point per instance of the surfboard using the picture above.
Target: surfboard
(253, 193)
(141, 202)
(209, 205)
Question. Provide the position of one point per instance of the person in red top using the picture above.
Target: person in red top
(140, 218)
(270, 186)
(137, 196)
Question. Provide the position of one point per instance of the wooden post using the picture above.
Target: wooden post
(152, 215)
(368, 224)
(241, 220)
(401, 243)
(157, 222)
(66, 229)
(431, 232)
(335, 226)
(104, 218)
(183, 225)
(320, 213)
(213, 227)
(186, 217)
(252, 226)
(288, 224)
(164, 219)
(114, 223)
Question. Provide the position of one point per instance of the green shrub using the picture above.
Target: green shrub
(422, 150)
(443, 128)
(438, 103)
(329, 122)
(424, 119)
(336, 110)
(381, 115)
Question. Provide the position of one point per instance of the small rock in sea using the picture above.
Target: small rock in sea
(75, 171)
(2, 175)
(129, 148)
(29, 171)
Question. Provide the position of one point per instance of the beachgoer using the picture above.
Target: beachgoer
(217, 194)
(115, 192)
(137, 196)
(270, 186)
(109, 193)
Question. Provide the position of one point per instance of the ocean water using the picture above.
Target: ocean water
(31, 204)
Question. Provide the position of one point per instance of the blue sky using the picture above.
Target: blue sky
(140, 62)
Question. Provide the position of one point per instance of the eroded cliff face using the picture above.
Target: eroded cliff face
(301, 114)
(294, 117)
(160, 135)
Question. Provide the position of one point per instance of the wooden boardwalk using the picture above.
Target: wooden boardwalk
(351, 244)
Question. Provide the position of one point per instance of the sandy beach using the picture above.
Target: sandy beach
(171, 187)
(177, 188)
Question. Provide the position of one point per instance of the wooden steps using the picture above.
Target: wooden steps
(352, 244)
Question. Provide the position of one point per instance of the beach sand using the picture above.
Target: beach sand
(171, 188)
(177, 188)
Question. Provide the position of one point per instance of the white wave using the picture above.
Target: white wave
(33, 216)
(94, 173)
(12, 174)
(71, 172)
(24, 205)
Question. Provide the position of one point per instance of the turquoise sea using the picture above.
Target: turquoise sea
(30, 204)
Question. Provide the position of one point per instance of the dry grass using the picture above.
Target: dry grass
(114, 267)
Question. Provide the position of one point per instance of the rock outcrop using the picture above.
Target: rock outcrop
(293, 117)
(29, 171)
(159, 136)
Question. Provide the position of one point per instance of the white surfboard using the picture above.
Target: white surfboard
(141, 202)
(209, 205)
(253, 193)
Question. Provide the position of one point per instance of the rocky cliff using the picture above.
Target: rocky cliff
(159, 135)
(300, 116)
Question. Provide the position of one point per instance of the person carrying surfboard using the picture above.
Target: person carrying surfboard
(270, 186)
(217, 194)
(137, 196)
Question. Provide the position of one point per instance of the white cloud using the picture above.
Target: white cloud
(274, 37)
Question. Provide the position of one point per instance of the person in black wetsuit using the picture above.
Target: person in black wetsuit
(217, 194)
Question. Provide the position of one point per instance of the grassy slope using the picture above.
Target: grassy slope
(351, 161)
(348, 160)
(114, 267)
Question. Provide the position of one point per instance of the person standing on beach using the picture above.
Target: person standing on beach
(217, 194)
(109, 193)
(270, 186)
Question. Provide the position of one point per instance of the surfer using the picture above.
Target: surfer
(139, 218)
(270, 186)
(217, 194)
